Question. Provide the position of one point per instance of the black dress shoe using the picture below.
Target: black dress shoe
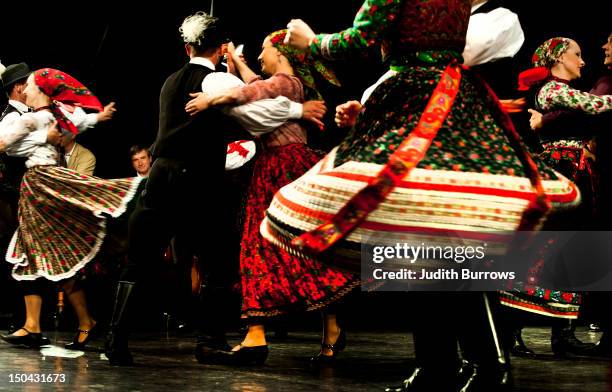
(249, 356)
(408, 383)
(474, 378)
(31, 340)
(563, 341)
(519, 348)
(602, 349)
(336, 348)
(423, 380)
(598, 351)
(90, 334)
(212, 350)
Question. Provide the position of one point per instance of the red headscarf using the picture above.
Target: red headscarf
(63, 88)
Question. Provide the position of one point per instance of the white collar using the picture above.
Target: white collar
(71, 150)
(202, 61)
(20, 106)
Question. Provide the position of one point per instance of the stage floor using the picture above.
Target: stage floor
(371, 361)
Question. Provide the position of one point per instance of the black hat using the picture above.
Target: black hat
(14, 73)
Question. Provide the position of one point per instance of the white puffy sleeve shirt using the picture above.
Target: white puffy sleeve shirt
(491, 36)
(26, 135)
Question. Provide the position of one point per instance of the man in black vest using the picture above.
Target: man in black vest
(11, 170)
(14, 80)
(189, 155)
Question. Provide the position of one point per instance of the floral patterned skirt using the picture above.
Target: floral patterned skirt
(472, 180)
(573, 159)
(569, 157)
(274, 281)
(61, 220)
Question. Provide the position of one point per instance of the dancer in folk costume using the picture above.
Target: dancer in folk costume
(62, 214)
(557, 62)
(273, 281)
(432, 152)
(579, 124)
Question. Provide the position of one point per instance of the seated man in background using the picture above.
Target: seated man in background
(141, 160)
(77, 157)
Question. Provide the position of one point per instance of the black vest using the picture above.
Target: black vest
(11, 168)
(200, 139)
(7, 110)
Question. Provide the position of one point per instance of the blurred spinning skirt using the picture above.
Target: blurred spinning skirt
(474, 177)
(62, 220)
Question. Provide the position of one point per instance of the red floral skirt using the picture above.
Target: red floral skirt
(273, 281)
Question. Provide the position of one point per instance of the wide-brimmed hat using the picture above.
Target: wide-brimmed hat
(14, 73)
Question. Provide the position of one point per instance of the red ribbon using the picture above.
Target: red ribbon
(400, 164)
(237, 147)
(532, 76)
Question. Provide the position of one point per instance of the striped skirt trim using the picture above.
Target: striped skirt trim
(432, 200)
(544, 308)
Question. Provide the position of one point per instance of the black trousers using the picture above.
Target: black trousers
(446, 321)
(10, 291)
(183, 200)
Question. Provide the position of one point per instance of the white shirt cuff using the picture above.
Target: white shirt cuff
(296, 110)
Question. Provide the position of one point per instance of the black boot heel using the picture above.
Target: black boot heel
(116, 346)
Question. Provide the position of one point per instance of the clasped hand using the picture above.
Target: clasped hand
(199, 103)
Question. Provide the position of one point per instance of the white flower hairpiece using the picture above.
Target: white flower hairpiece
(193, 27)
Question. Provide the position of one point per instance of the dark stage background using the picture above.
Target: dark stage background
(125, 51)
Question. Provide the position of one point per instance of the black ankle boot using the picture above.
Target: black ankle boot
(116, 347)
(486, 365)
(563, 341)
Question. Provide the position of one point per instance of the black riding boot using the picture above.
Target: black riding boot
(486, 361)
(116, 346)
(435, 345)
